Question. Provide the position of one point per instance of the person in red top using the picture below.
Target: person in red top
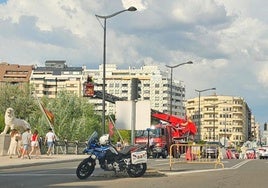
(35, 144)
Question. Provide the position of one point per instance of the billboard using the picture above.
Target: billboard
(127, 110)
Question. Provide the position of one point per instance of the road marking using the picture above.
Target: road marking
(191, 171)
(160, 164)
(240, 164)
(236, 166)
(206, 170)
(167, 163)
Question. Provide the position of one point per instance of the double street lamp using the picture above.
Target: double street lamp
(171, 82)
(104, 58)
(199, 110)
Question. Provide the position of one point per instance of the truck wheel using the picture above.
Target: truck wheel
(164, 154)
(155, 155)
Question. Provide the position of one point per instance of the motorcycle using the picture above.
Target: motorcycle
(131, 159)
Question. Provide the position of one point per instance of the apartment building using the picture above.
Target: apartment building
(14, 73)
(57, 76)
(154, 86)
(221, 118)
(255, 129)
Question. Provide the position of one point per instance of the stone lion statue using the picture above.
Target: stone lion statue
(11, 122)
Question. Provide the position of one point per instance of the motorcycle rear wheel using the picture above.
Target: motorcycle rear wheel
(137, 170)
(85, 168)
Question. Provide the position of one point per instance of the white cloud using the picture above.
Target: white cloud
(263, 75)
(139, 4)
(227, 40)
(199, 12)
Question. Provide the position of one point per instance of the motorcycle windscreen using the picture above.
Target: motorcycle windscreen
(93, 137)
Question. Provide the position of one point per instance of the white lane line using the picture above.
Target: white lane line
(206, 170)
(240, 164)
(192, 171)
(160, 164)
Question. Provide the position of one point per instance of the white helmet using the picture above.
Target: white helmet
(104, 139)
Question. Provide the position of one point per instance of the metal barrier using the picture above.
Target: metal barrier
(195, 154)
(68, 147)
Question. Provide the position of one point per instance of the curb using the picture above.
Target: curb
(38, 163)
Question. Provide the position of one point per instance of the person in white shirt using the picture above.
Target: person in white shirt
(50, 138)
(26, 140)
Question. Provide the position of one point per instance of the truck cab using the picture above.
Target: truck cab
(156, 141)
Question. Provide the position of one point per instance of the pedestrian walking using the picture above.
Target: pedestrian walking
(19, 144)
(35, 144)
(13, 147)
(26, 141)
(50, 138)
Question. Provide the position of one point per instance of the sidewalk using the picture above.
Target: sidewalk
(6, 162)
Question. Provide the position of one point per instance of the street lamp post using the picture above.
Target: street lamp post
(214, 118)
(148, 142)
(171, 77)
(104, 57)
(199, 110)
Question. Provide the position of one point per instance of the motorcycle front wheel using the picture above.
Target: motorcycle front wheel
(137, 170)
(85, 168)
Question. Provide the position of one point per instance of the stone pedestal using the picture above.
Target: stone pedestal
(4, 144)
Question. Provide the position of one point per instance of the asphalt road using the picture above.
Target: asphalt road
(237, 173)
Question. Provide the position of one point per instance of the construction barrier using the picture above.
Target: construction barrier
(195, 154)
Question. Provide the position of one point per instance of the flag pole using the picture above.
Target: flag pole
(43, 111)
(50, 125)
(121, 138)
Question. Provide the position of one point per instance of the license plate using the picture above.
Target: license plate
(138, 157)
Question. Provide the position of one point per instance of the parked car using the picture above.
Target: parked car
(211, 149)
(263, 152)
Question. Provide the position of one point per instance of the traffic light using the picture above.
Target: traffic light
(135, 88)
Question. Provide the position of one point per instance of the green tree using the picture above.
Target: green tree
(17, 97)
(2, 122)
(75, 118)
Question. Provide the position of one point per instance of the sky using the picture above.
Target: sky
(226, 40)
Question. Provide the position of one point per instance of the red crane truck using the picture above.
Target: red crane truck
(162, 135)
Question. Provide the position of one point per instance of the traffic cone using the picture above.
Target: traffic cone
(228, 153)
(188, 154)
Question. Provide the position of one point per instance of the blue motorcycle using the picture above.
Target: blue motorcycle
(132, 159)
